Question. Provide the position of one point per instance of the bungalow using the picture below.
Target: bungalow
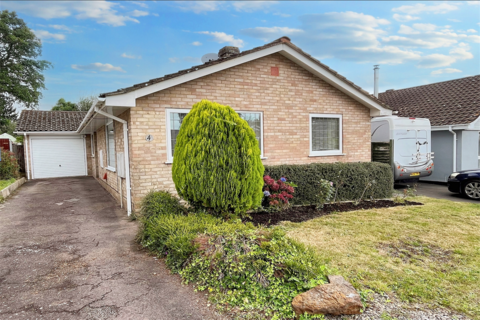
(453, 108)
(301, 111)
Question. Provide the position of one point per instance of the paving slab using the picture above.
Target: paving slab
(67, 251)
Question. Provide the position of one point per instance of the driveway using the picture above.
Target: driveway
(436, 190)
(67, 251)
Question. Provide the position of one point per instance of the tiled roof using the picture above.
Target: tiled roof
(38, 121)
(451, 102)
(282, 40)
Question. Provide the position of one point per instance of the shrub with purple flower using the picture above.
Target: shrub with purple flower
(278, 193)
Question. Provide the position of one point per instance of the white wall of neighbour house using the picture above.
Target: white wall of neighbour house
(469, 150)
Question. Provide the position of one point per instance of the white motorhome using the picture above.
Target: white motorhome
(405, 144)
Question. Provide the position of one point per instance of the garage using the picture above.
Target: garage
(58, 156)
(53, 147)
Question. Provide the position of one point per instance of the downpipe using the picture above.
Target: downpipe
(454, 148)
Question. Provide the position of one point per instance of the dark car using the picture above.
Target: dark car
(465, 182)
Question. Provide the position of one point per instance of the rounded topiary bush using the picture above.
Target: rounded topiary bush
(217, 162)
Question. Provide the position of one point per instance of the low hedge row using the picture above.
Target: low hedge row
(352, 181)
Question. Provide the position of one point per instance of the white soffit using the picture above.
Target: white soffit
(128, 99)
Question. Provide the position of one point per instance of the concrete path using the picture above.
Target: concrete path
(67, 251)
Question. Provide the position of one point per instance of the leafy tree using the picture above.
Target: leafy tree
(7, 126)
(85, 103)
(63, 105)
(21, 76)
(217, 163)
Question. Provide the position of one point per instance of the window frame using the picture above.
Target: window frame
(169, 133)
(107, 153)
(261, 129)
(337, 152)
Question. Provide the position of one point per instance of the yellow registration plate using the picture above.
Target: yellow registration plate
(414, 174)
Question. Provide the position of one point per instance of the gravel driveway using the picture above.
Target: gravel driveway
(67, 252)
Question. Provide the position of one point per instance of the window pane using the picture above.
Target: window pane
(325, 134)
(111, 145)
(175, 123)
(254, 120)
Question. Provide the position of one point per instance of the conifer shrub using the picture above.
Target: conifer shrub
(158, 203)
(217, 163)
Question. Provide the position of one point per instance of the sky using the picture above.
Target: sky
(102, 46)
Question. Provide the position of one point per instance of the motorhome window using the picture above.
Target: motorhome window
(325, 134)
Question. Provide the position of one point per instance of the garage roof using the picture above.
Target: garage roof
(49, 121)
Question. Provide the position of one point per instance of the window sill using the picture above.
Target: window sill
(263, 158)
(328, 154)
(111, 169)
(169, 162)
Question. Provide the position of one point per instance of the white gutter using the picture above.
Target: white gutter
(39, 133)
(127, 159)
(28, 154)
(454, 148)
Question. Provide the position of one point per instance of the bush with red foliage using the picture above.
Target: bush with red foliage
(278, 193)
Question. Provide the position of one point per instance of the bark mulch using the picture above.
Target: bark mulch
(304, 213)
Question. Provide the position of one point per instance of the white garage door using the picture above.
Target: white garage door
(60, 156)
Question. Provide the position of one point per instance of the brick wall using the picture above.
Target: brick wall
(286, 101)
(112, 183)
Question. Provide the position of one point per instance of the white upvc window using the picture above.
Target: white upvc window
(255, 121)
(175, 118)
(325, 134)
(110, 145)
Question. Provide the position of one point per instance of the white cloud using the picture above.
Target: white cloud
(196, 43)
(130, 56)
(407, 30)
(267, 34)
(472, 31)
(139, 13)
(60, 27)
(155, 14)
(404, 18)
(418, 43)
(102, 12)
(97, 66)
(473, 3)
(424, 26)
(437, 60)
(423, 8)
(141, 4)
(222, 37)
(45, 35)
(283, 15)
(454, 20)
(173, 60)
(200, 6)
(446, 70)
(251, 6)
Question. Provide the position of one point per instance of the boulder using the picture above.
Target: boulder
(337, 297)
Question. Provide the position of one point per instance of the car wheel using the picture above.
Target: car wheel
(472, 189)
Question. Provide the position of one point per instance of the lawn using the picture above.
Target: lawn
(6, 183)
(428, 254)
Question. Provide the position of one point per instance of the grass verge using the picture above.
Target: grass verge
(6, 183)
(428, 254)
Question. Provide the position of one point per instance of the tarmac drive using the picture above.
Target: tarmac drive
(67, 251)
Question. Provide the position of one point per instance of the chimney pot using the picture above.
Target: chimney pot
(228, 51)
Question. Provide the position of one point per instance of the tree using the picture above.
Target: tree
(63, 105)
(21, 76)
(217, 163)
(85, 103)
(7, 126)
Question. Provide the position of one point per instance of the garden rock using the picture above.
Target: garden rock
(337, 297)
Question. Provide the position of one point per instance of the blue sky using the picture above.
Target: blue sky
(101, 46)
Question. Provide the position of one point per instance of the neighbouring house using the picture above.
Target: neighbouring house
(301, 111)
(453, 108)
(7, 141)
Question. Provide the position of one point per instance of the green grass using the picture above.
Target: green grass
(428, 254)
(6, 183)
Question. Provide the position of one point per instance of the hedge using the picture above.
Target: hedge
(349, 179)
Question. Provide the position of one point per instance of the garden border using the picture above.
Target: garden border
(6, 192)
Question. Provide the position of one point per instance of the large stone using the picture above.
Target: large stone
(337, 297)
